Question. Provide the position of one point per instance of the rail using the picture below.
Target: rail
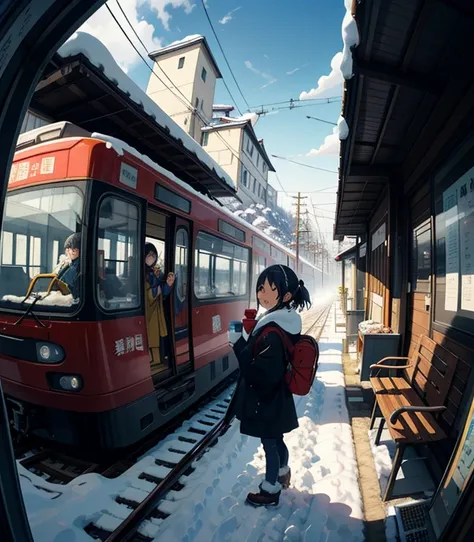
(128, 529)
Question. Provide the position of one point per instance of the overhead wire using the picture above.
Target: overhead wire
(304, 165)
(226, 61)
(188, 105)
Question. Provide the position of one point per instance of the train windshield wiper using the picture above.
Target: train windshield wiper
(29, 310)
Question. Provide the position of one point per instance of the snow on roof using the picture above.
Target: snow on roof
(99, 56)
(350, 38)
(120, 146)
(188, 41)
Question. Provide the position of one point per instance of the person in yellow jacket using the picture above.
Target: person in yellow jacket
(156, 287)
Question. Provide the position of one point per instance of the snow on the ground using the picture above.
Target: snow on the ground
(99, 56)
(323, 502)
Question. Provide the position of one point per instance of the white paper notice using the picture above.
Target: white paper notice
(452, 248)
(466, 220)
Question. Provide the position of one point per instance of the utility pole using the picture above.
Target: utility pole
(298, 231)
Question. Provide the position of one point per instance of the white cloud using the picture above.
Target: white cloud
(269, 83)
(330, 147)
(160, 7)
(103, 27)
(332, 142)
(328, 85)
(229, 16)
(291, 72)
(270, 79)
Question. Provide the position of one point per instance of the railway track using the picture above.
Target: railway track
(139, 513)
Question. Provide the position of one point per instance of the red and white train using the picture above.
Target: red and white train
(78, 371)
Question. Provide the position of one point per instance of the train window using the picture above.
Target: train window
(117, 248)
(260, 244)
(259, 264)
(36, 225)
(221, 268)
(181, 264)
(278, 255)
(172, 199)
(231, 231)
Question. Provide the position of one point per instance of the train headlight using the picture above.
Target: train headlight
(70, 383)
(64, 382)
(49, 353)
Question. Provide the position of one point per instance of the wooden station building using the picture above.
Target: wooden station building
(406, 193)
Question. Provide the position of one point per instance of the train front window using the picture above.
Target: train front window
(37, 225)
(118, 273)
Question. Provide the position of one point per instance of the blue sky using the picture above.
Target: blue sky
(264, 40)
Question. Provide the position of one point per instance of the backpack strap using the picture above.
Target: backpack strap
(288, 345)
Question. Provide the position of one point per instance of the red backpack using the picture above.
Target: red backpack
(303, 360)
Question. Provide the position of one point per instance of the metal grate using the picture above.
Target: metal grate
(413, 522)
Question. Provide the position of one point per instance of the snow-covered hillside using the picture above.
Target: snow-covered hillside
(276, 223)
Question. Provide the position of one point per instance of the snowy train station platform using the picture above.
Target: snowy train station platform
(324, 501)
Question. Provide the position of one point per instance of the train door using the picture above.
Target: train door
(180, 297)
(157, 298)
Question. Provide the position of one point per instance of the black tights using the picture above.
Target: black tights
(276, 455)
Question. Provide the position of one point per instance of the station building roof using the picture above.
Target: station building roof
(413, 87)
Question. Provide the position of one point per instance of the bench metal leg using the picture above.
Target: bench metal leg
(395, 468)
(374, 413)
(379, 431)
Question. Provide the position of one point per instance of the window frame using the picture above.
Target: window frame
(224, 298)
(203, 74)
(84, 187)
(181, 64)
(204, 139)
(139, 255)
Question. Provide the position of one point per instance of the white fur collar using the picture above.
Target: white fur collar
(287, 319)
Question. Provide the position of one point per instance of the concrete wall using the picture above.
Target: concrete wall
(188, 80)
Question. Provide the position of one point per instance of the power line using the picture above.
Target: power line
(281, 185)
(227, 62)
(190, 106)
(305, 165)
(322, 120)
(322, 101)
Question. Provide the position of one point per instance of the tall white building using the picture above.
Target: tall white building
(185, 73)
(234, 146)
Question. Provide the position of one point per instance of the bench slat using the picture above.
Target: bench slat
(389, 384)
(411, 427)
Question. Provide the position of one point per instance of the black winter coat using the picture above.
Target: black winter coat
(264, 404)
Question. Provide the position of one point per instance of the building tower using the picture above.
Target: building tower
(191, 67)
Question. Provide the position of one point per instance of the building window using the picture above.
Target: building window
(254, 185)
(258, 159)
(264, 168)
(221, 268)
(203, 74)
(244, 176)
(180, 62)
(197, 103)
(204, 139)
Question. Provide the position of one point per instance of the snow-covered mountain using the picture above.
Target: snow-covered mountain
(276, 223)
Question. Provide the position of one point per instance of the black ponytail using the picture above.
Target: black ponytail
(285, 280)
(301, 298)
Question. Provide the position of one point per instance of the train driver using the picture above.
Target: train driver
(70, 272)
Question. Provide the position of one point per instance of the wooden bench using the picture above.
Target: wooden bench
(411, 402)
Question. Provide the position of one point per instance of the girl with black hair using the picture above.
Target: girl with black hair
(156, 286)
(264, 404)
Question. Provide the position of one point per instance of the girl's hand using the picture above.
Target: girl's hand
(170, 279)
(156, 271)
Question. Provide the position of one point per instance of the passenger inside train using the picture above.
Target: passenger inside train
(70, 272)
(156, 288)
